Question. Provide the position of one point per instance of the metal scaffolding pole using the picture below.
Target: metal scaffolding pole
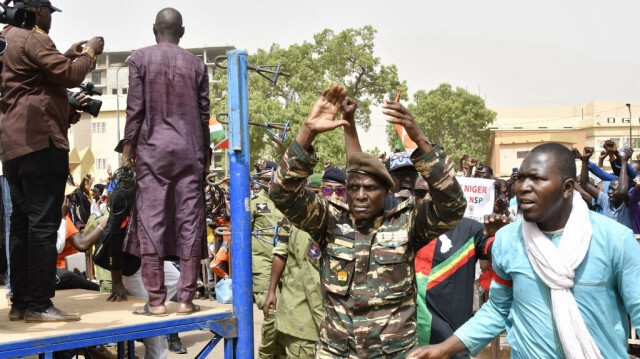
(239, 160)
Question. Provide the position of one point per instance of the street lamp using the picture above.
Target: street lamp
(630, 142)
(126, 61)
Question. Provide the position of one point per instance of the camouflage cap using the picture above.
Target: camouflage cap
(363, 163)
(315, 180)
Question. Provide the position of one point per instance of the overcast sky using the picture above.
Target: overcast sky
(511, 52)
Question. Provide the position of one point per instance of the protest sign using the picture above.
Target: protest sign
(480, 195)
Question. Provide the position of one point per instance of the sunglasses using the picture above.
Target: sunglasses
(420, 193)
(328, 191)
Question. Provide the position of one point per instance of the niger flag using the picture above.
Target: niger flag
(405, 140)
(215, 129)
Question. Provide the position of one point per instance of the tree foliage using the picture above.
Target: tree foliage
(457, 120)
(345, 58)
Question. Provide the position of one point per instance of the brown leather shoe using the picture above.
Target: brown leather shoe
(16, 314)
(51, 314)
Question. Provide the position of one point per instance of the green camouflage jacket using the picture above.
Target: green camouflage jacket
(300, 311)
(367, 272)
(264, 214)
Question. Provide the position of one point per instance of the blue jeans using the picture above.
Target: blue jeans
(6, 202)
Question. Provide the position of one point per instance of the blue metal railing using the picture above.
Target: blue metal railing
(239, 165)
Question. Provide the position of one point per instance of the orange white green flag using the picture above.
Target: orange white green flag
(403, 137)
(216, 130)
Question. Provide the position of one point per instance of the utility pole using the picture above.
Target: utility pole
(126, 62)
(630, 142)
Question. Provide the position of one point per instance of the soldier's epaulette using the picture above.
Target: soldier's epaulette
(341, 205)
(408, 204)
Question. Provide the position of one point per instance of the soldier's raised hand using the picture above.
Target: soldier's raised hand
(349, 107)
(322, 117)
(401, 116)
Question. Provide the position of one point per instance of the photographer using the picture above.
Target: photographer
(34, 153)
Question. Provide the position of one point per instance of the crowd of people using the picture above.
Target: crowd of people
(388, 287)
(370, 259)
(49, 217)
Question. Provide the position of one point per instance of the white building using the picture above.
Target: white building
(101, 134)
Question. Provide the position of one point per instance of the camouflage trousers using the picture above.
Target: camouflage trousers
(369, 335)
(288, 346)
(267, 345)
(324, 352)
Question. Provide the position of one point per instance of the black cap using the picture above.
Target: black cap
(267, 165)
(333, 174)
(363, 163)
(47, 3)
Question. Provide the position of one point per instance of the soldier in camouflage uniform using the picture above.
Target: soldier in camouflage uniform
(264, 215)
(300, 311)
(367, 272)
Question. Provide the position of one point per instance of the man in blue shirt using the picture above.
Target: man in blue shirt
(604, 284)
(615, 203)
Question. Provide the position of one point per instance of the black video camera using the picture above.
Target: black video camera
(17, 17)
(91, 106)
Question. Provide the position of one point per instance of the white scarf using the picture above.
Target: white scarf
(555, 266)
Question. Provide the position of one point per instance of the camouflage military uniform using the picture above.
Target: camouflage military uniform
(300, 311)
(263, 215)
(367, 273)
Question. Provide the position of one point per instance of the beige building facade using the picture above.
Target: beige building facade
(100, 135)
(519, 129)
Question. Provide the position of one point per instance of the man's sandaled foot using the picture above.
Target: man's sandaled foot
(194, 308)
(146, 311)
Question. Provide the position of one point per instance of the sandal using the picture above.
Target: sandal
(148, 313)
(194, 308)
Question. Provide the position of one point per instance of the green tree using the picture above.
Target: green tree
(375, 152)
(346, 58)
(457, 120)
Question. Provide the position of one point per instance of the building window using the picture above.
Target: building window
(101, 164)
(522, 154)
(96, 77)
(114, 91)
(124, 91)
(98, 127)
(635, 142)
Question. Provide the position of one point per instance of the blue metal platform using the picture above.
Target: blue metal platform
(105, 322)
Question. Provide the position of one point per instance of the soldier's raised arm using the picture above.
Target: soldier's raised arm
(306, 210)
(447, 204)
